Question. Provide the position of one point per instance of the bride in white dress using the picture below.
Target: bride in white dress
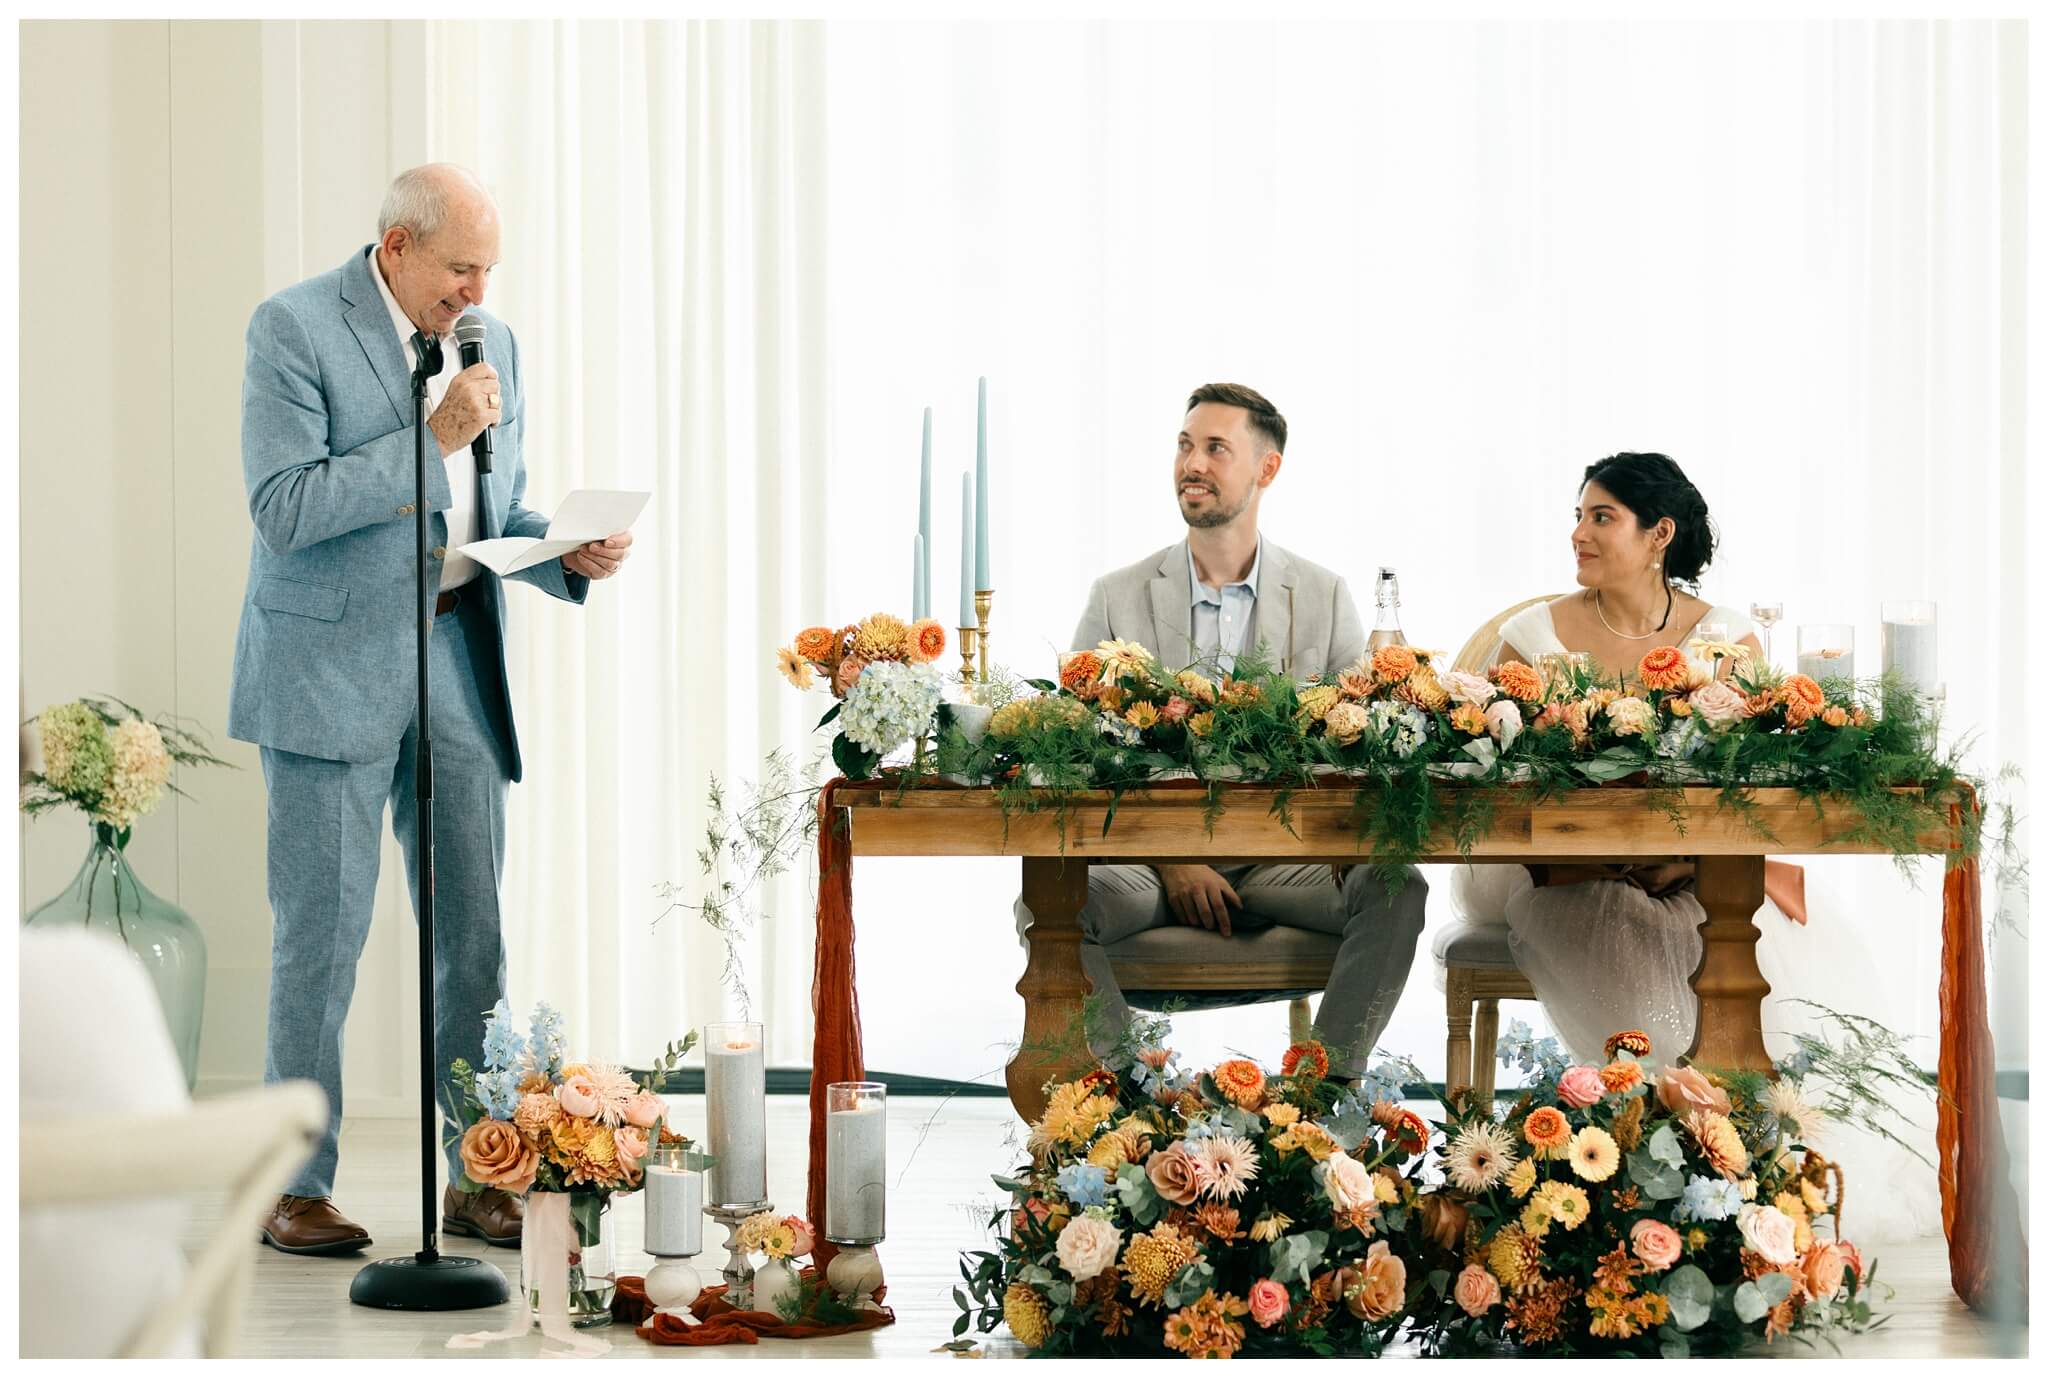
(1612, 948)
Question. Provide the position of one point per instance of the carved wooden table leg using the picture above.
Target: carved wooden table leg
(1730, 986)
(1054, 985)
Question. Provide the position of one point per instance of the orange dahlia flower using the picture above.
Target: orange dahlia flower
(1546, 1129)
(1079, 673)
(1311, 1059)
(1621, 1077)
(1802, 699)
(1241, 1082)
(820, 644)
(1518, 681)
(1664, 668)
(1393, 664)
(1628, 1040)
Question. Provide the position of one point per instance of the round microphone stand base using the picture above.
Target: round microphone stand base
(418, 1282)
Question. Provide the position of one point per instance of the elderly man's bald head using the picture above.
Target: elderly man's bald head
(437, 242)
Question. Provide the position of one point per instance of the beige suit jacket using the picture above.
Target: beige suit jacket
(1303, 615)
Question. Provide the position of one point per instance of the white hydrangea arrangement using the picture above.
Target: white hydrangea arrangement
(102, 757)
(890, 703)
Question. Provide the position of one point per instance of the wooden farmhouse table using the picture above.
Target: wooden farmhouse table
(1170, 822)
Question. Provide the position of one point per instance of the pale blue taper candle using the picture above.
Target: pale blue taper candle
(922, 602)
(917, 578)
(981, 488)
(966, 551)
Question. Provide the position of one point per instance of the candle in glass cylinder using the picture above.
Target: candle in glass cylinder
(675, 1210)
(1908, 645)
(736, 1106)
(1827, 650)
(855, 1161)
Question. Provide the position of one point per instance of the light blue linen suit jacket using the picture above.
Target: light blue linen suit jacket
(324, 657)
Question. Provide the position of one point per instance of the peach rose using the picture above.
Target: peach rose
(1385, 1285)
(1768, 1231)
(1269, 1302)
(645, 1110)
(494, 1155)
(1463, 687)
(1176, 710)
(1683, 1090)
(1852, 1257)
(1823, 1270)
(1176, 1174)
(1580, 1087)
(1656, 1244)
(1348, 1183)
(1504, 722)
(802, 1238)
(578, 1095)
(1478, 1291)
(1718, 704)
(1835, 715)
(847, 672)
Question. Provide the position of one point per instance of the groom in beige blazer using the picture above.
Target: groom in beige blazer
(1203, 602)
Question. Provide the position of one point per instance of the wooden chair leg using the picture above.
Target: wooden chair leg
(1485, 1037)
(1458, 1022)
(1299, 1020)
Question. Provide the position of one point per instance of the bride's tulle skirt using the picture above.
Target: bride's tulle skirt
(1605, 956)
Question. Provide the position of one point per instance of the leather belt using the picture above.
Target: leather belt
(445, 604)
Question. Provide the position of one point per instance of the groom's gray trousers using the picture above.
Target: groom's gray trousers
(325, 834)
(1379, 931)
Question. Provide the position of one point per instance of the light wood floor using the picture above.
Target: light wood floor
(941, 1154)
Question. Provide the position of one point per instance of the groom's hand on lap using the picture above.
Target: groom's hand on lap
(1199, 896)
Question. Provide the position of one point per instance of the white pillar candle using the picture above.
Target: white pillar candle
(1821, 666)
(1909, 645)
(675, 1211)
(736, 1106)
(856, 1160)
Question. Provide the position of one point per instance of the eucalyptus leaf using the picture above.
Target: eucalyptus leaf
(1665, 1148)
(1750, 1306)
(1774, 1287)
(1691, 1295)
(1654, 1179)
(1295, 1256)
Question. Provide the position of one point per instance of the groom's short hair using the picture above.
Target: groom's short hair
(1264, 419)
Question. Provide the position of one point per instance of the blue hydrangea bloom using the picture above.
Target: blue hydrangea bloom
(1084, 1184)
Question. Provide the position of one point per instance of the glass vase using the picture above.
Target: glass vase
(107, 894)
(592, 1279)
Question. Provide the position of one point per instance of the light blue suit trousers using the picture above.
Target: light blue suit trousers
(324, 822)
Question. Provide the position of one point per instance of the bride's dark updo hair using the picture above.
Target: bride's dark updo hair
(1653, 488)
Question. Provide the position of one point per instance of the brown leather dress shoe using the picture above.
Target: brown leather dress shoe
(494, 1216)
(311, 1225)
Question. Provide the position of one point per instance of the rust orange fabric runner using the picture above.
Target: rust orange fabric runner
(724, 1323)
(835, 1003)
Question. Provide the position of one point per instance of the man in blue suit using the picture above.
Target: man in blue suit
(324, 679)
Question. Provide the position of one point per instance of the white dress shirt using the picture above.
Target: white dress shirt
(456, 570)
(1218, 618)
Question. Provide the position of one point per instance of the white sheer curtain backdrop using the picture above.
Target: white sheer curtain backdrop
(662, 259)
(1465, 259)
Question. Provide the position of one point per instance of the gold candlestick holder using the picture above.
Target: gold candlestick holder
(982, 598)
(968, 636)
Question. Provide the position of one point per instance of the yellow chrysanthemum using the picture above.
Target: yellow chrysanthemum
(1150, 1262)
(1516, 1258)
(1073, 1114)
(1425, 690)
(1111, 1152)
(1268, 1228)
(1719, 1142)
(1024, 1312)
(1307, 1136)
(882, 636)
(1317, 700)
(1523, 1178)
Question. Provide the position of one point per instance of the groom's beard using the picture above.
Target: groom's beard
(1214, 516)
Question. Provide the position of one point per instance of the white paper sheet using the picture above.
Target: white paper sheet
(586, 515)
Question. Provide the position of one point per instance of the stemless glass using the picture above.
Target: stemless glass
(1827, 650)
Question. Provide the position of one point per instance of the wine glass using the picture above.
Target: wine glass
(1766, 616)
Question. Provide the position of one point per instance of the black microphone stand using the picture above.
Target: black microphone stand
(428, 1280)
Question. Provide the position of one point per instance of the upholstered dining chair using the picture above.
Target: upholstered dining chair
(1475, 968)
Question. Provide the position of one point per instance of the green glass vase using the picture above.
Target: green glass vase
(107, 894)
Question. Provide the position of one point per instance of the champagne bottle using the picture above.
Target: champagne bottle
(1386, 625)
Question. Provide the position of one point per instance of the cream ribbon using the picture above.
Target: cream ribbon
(544, 1243)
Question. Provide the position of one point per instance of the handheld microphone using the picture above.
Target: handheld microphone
(469, 336)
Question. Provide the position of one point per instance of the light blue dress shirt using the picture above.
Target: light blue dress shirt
(1220, 617)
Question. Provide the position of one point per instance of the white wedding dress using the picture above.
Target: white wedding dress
(1606, 955)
